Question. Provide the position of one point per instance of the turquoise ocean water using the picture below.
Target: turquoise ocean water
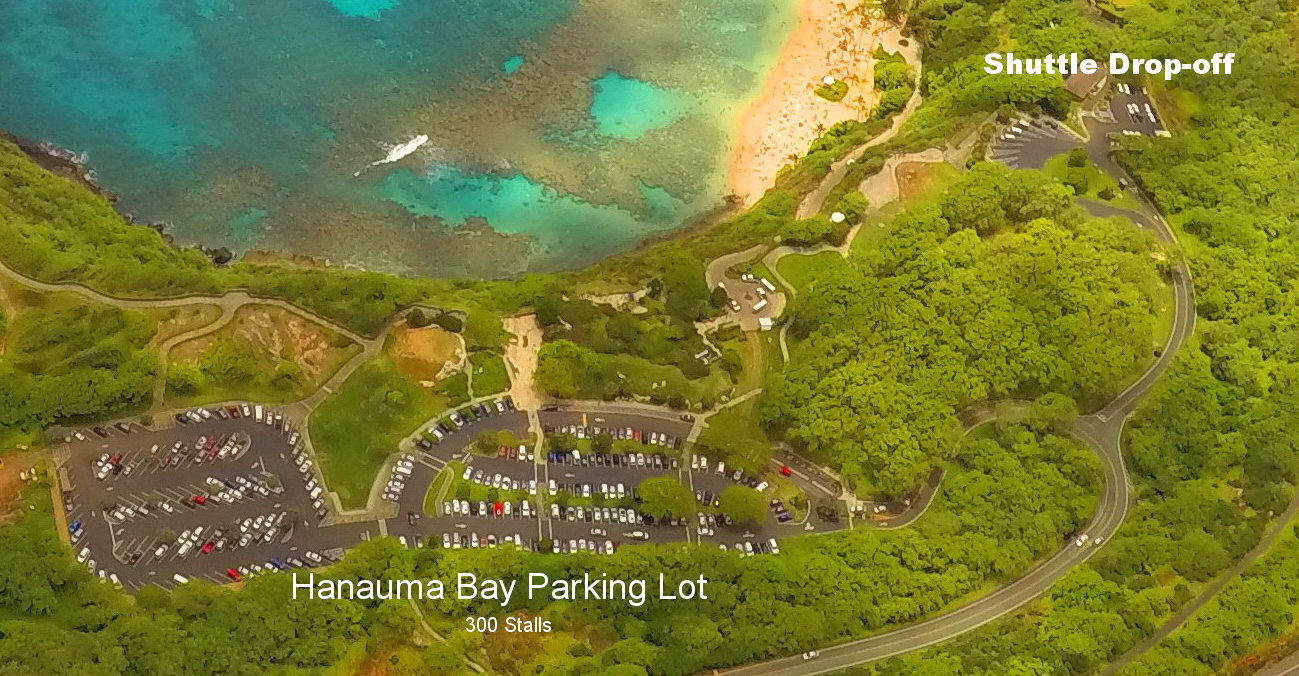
(559, 131)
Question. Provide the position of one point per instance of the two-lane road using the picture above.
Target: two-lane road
(1102, 432)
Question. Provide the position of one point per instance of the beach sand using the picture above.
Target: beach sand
(834, 38)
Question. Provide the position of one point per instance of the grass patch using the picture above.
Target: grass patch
(833, 92)
(1176, 106)
(919, 184)
(455, 389)
(490, 374)
(734, 436)
(469, 490)
(800, 271)
(358, 426)
(1097, 182)
(648, 379)
(444, 479)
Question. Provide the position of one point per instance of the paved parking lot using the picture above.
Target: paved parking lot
(230, 493)
(135, 521)
(1027, 143)
(454, 445)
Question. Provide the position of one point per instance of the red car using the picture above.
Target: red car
(498, 508)
(232, 574)
(234, 413)
(200, 500)
(207, 548)
(116, 459)
(785, 470)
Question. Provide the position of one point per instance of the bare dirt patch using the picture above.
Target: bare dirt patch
(521, 361)
(425, 355)
(915, 178)
(8, 310)
(275, 334)
(173, 322)
(11, 484)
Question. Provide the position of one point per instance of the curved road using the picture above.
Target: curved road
(1102, 431)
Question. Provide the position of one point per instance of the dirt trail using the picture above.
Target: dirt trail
(521, 360)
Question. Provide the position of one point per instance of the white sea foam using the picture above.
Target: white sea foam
(400, 151)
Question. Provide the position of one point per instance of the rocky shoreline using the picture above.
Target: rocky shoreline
(72, 166)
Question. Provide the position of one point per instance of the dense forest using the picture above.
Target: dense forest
(67, 360)
(1215, 453)
(1002, 289)
(60, 620)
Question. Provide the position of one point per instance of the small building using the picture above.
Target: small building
(1083, 85)
(765, 323)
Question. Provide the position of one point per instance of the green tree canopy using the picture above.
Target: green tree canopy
(666, 496)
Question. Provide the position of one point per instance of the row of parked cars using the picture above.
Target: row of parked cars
(83, 557)
(315, 492)
(245, 532)
(612, 491)
(206, 449)
(458, 419)
(620, 515)
(500, 508)
(309, 559)
(521, 453)
(575, 545)
(618, 433)
(708, 522)
(101, 431)
(778, 508)
(401, 473)
(750, 548)
(457, 540)
(257, 412)
(498, 481)
(635, 460)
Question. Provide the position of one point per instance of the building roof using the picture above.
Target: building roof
(1082, 85)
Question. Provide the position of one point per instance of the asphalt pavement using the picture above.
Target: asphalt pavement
(153, 481)
(1102, 431)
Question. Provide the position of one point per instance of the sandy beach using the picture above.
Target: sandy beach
(834, 38)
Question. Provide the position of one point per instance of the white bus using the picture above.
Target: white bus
(768, 284)
(757, 307)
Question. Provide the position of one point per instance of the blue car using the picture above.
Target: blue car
(74, 526)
